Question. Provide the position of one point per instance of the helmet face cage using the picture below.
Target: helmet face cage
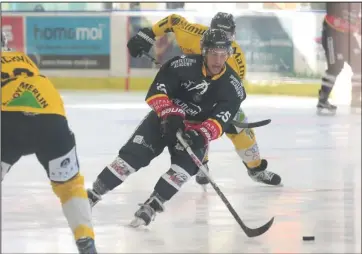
(216, 39)
(224, 21)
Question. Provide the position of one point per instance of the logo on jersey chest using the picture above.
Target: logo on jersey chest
(199, 89)
(27, 95)
(189, 108)
(183, 62)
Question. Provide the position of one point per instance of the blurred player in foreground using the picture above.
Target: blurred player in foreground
(188, 37)
(33, 122)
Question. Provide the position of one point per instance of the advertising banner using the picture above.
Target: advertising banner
(265, 40)
(14, 30)
(69, 42)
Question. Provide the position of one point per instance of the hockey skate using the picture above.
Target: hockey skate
(260, 174)
(95, 194)
(93, 197)
(147, 212)
(326, 108)
(86, 246)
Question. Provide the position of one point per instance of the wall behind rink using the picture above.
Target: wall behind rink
(87, 50)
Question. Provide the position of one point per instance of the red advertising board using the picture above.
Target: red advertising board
(14, 30)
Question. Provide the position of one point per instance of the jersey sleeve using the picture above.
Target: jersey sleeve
(226, 107)
(163, 87)
(167, 24)
(238, 62)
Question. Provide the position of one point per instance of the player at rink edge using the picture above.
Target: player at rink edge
(202, 111)
(188, 38)
(33, 121)
(341, 38)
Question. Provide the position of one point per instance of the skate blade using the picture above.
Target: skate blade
(137, 222)
(326, 112)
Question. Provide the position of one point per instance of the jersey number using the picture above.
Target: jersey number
(225, 116)
(17, 72)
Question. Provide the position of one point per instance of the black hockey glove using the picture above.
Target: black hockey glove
(197, 137)
(142, 41)
(172, 120)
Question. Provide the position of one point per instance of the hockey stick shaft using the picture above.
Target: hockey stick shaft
(248, 231)
(151, 58)
(251, 125)
(236, 123)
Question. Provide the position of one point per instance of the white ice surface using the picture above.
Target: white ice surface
(319, 159)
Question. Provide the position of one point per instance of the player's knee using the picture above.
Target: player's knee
(72, 188)
(113, 175)
(171, 182)
(138, 153)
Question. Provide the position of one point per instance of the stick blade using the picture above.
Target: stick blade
(259, 231)
(251, 124)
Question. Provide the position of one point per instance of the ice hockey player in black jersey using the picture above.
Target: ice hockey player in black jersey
(198, 94)
(341, 38)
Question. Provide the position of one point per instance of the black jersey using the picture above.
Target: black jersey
(344, 16)
(183, 81)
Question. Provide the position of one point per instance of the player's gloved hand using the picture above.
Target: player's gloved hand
(172, 120)
(142, 41)
(197, 136)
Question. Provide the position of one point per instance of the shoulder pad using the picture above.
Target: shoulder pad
(238, 85)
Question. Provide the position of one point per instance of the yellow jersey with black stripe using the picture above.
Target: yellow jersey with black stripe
(23, 89)
(15, 64)
(188, 37)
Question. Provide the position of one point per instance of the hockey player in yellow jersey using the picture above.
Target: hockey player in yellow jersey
(188, 36)
(33, 121)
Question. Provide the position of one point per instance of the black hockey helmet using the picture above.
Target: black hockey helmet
(215, 39)
(224, 21)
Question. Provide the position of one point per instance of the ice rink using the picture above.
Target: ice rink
(318, 158)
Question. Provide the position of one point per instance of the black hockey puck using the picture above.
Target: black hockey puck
(308, 238)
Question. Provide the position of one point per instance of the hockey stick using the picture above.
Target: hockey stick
(151, 58)
(251, 125)
(236, 123)
(250, 232)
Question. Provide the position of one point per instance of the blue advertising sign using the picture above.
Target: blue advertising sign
(69, 42)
